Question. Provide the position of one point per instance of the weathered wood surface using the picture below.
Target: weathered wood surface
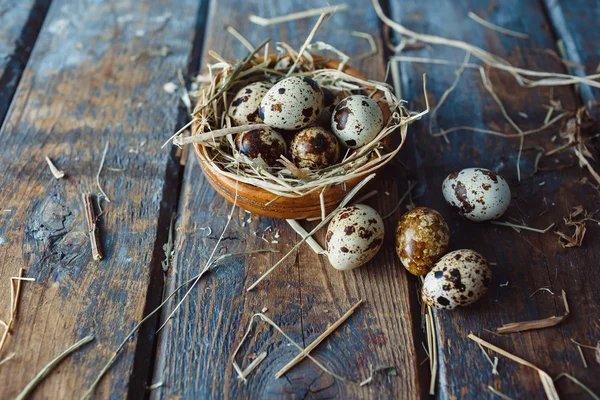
(20, 22)
(526, 261)
(305, 295)
(574, 23)
(81, 90)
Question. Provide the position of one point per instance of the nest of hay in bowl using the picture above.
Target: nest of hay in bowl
(287, 191)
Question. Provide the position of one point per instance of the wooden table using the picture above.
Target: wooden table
(77, 76)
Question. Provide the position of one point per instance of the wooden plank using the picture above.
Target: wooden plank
(20, 22)
(526, 261)
(305, 295)
(86, 87)
(573, 22)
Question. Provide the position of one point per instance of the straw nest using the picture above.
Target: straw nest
(214, 135)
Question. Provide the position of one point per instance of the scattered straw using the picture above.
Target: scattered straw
(411, 186)
(99, 171)
(496, 28)
(577, 219)
(432, 350)
(342, 204)
(372, 44)
(50, 366)
(391, 371)
(7, 358)
(296, 16)
(524, 227)
(317, 341)
(58, 174)
(93, 232)
(536, 324)
(15, 295)
(316, 247)
(581, 355)
(163, 51)
(578, 383)
(494, 363)
(499, 394)
(266, 319)
(241, 38)
(309, 39)
(252, 366)
(156, 385)
(547, 382)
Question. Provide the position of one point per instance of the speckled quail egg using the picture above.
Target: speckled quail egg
(459, 278)
(478, 194)
(314, 148)
(357, 120)
(422, 237)
(263, 146)
(292, 103)
(243, 109)
(354, 236)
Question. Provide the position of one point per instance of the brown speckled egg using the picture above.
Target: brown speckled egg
(459, 278)
(356, 121)
(292, 103)
(314, 148)
(354, 236)
(263, 146)
(243, 109)
(478, 194)
(422, 237)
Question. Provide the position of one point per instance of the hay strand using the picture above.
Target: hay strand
(317, 341)
(296, 16)
(547, 382)
(537, 324)
(495, 27)
(50, 366)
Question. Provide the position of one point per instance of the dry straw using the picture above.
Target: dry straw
(214, 134)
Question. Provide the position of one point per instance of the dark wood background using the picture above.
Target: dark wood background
(68, 86)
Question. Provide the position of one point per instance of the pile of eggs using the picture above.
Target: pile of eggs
(302, 119)
(458, 278)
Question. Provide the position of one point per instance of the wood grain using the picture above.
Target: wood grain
(20, 22)
(524, 261)
(305, 295)
(80, 90)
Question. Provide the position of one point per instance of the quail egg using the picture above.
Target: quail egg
(292, 103)
(263, 146)
(314, 148)
(357, 120)
(354, 236)
(478, 194)
(459, 278)
(422, 237)
(243, 109)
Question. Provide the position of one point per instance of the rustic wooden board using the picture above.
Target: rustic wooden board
(305, 294)
(81, 90)
(573, 22)
(21, 21)
(525, 261)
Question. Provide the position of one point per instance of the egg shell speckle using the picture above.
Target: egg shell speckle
(459, 278)
(292, 103)
(263, 146)
(314, 148)
(478, 194)
(422, 237)
(243, 109)
(357, 120)
(354, 236)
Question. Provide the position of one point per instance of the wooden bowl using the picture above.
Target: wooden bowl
(255, 199)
